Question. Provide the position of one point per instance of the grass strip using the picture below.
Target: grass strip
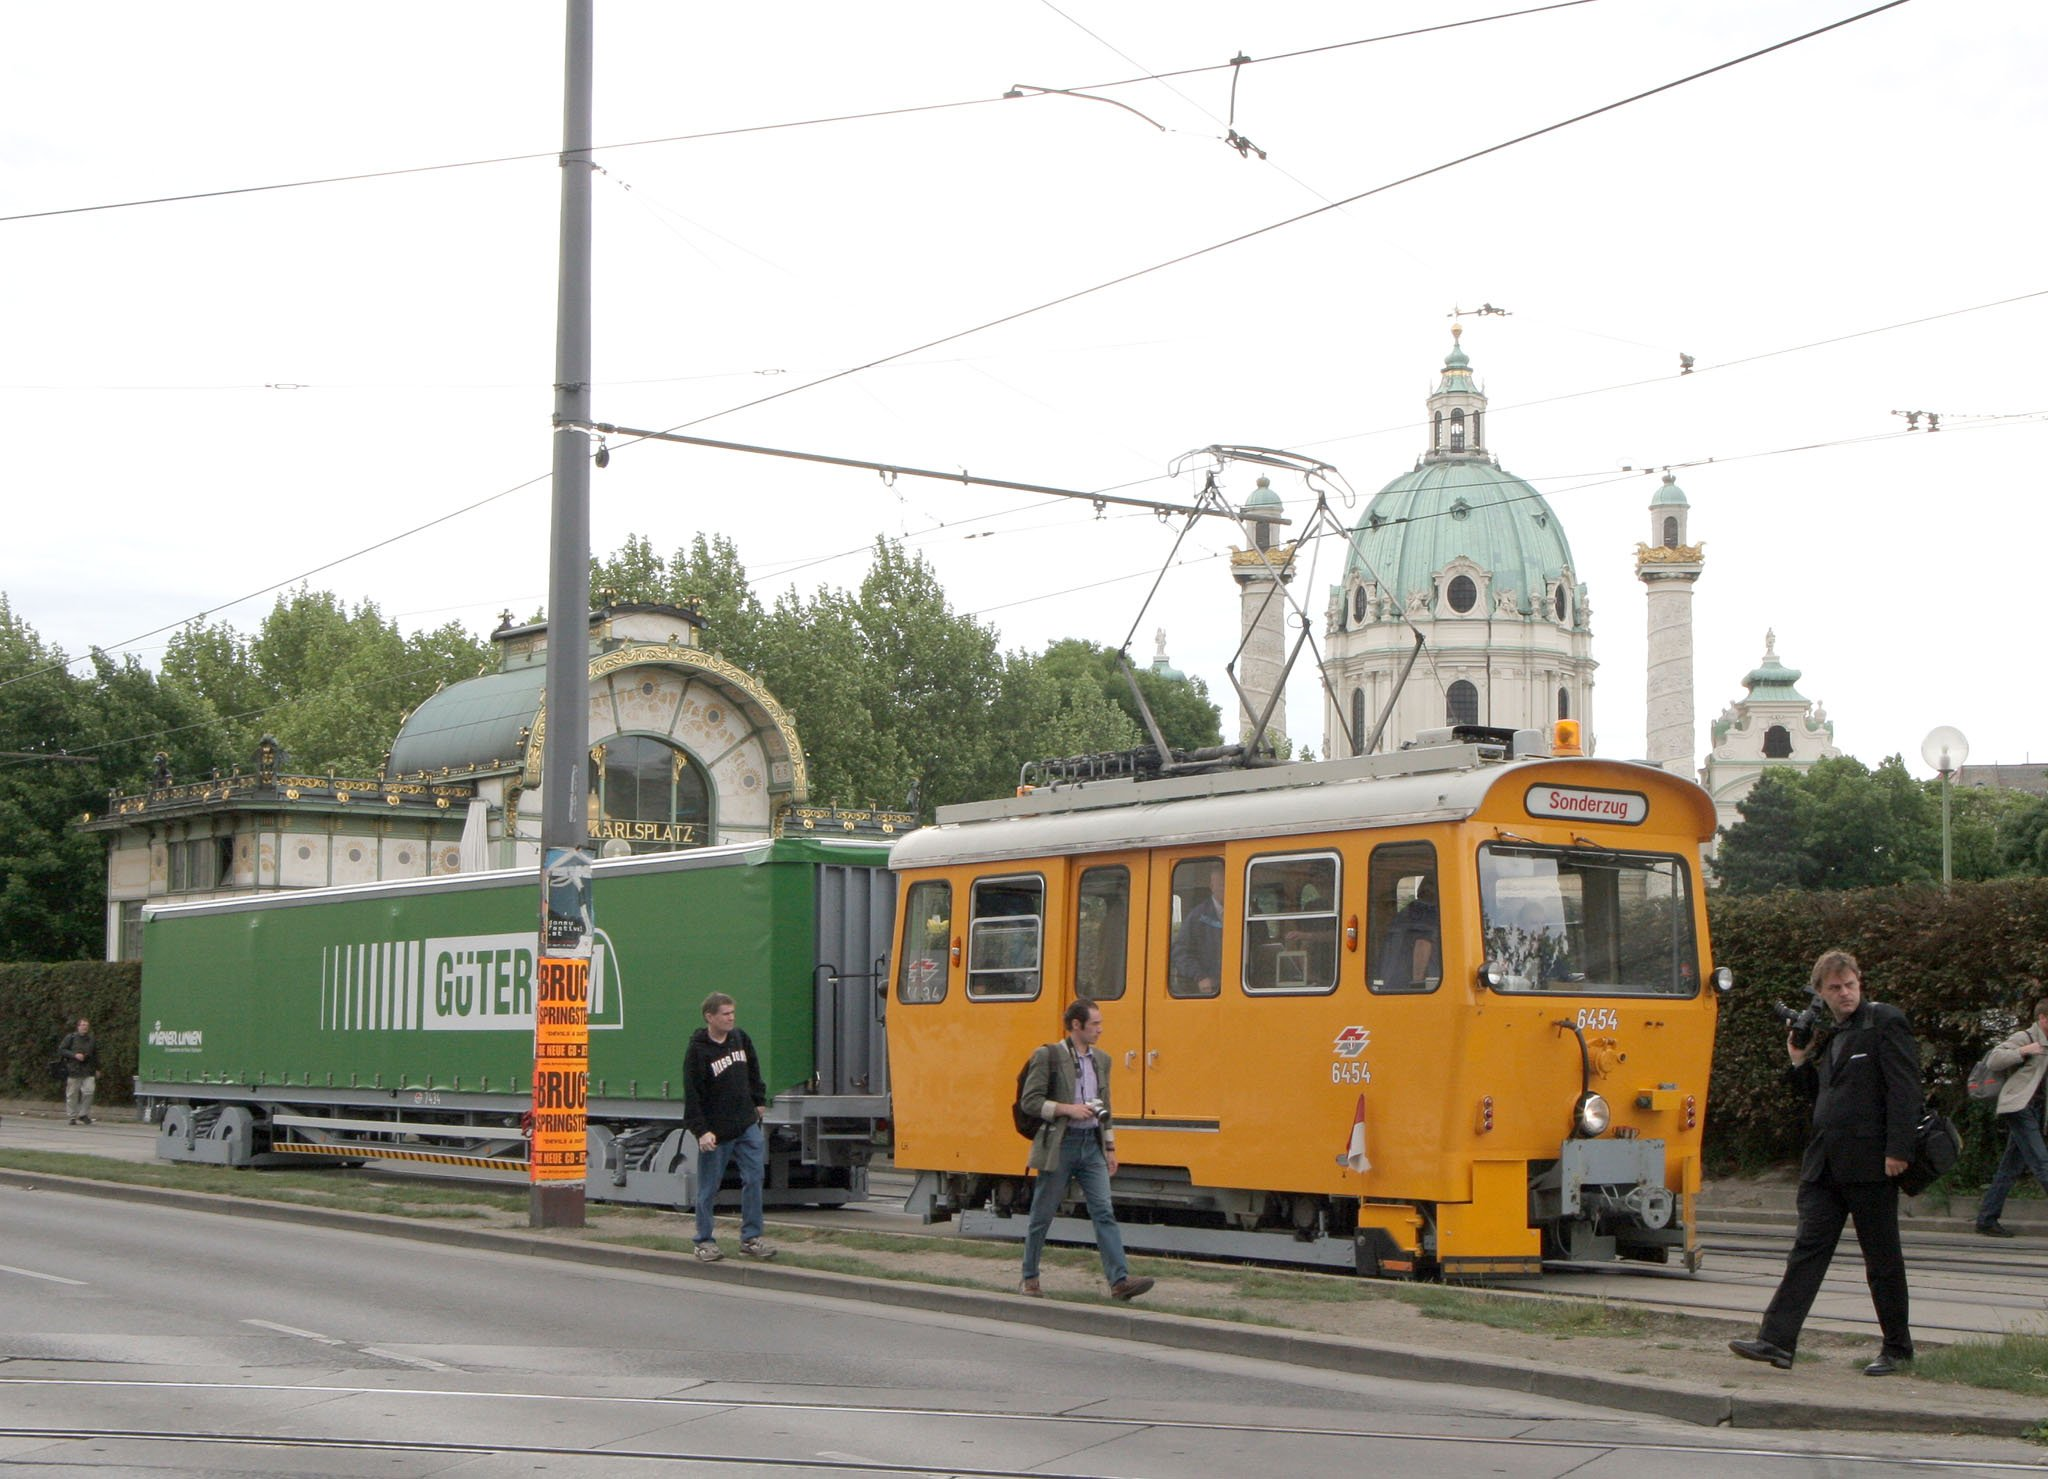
(2015, 1362)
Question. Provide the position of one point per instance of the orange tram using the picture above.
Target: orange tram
(1446, 1012)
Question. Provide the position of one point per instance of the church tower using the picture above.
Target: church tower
(1473, 561)
(1773, 724)
(1262, 609)
(1668, 566)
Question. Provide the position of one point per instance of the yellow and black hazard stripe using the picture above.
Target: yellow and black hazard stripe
(392, 1153)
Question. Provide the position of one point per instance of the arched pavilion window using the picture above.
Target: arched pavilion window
(1777, 743)
(1457, 430)
(1671, 531)
(1461, 703)
(1358, 721)
(648, 793)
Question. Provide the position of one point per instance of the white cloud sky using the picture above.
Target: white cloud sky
(1881, 173)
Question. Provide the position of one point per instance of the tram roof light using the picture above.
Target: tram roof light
(1564, 738)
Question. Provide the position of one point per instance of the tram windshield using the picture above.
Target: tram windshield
(1584, 921)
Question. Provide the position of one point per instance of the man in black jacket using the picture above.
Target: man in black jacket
(80, 1056)
(1867, 1099)
(724, 1102)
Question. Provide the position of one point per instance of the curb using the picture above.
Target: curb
(1182, 1332)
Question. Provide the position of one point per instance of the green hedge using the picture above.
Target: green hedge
(39, 1003)
(1951, 960)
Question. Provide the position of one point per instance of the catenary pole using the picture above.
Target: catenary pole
(561, 1030)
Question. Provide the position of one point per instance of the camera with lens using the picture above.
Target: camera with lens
(1799, 1024)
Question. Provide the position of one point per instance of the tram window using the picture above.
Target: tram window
(1003, 937)
(1196, 966)
(1587, 921)
(1290, 924)
(1102, 933)
(1404, 930)
(927, 942)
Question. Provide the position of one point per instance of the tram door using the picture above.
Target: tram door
(1191, 952)
(1108, 910)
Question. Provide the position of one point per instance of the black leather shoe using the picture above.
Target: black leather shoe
(1762, 1350)
(1995, 1230)
(1886, 1365)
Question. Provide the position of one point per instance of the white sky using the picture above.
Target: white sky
(1881, 173)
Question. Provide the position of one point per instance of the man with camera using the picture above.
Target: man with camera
(1865, 1084)
(1067, 1086)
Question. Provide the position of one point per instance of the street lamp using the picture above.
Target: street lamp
(1945, 749)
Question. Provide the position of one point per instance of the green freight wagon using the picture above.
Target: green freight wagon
(394, 1021)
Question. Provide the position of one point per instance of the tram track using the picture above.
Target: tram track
(835, 1462)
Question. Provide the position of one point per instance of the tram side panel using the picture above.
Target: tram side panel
(1237, 1102)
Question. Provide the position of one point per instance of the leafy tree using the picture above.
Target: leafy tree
(2023, 846)
(1837, 825)
(705, 575)
(1180, 705)
(333, 684)
(1762, 852)
(52, 876)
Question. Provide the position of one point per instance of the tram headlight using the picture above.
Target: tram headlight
(1723, 979)
(1591, 1116)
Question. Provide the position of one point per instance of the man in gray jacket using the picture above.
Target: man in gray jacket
(1067, 1087)
(2023, 1058)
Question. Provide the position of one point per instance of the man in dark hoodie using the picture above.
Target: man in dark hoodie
(724, 1101)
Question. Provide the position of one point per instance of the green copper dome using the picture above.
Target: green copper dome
(1263, 496)
(1670, 495)
(1459, 502)
(1425, 519)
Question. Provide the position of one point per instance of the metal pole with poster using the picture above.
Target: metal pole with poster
(561, 1034)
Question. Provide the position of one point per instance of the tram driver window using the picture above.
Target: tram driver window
(1290, 924)
(1004, 938)
(1588, 921)
(927, 942)
(1196, 966)
(1102, 930)
(1404, 928)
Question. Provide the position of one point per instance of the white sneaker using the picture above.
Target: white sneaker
(708, 1253)
(757, 1248)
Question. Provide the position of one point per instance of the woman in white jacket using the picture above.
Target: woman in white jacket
(2023, 1058)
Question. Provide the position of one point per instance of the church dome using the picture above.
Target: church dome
(1425, 519)
(1263, 497)
(1459, 502)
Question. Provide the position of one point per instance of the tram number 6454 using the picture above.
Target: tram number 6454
(1350, 1073)
(1599, 1019)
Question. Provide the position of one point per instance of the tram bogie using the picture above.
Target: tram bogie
(1455, 1021)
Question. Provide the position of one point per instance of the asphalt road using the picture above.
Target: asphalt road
(1963, 1285)
(142, 1339)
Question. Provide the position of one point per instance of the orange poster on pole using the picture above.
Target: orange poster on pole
(561, 1069)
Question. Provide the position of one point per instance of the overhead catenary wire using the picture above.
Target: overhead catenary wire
(1128, 277)
(280, 584)
(1298, 218)
(737, 131)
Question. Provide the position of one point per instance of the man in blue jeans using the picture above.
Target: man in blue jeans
(1067, 1087)
(724, 1101)
(2023, 1058)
